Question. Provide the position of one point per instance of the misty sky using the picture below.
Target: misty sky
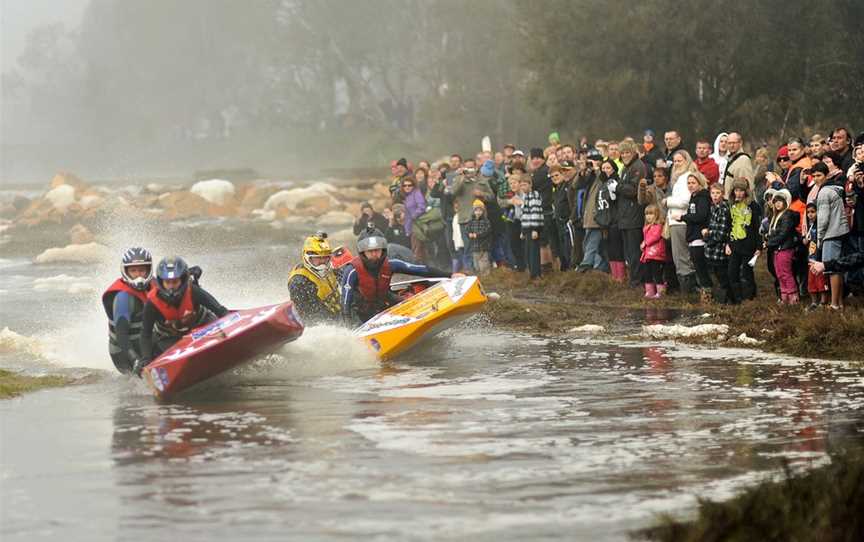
(19, 17)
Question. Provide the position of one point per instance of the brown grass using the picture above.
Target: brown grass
(12, 384)
(557, 301)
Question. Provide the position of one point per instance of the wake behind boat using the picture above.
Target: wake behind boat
(222, 345)
(433, 306)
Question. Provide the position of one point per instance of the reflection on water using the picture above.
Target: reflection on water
(504, 436)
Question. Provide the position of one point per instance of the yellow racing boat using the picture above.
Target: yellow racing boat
(441, 305)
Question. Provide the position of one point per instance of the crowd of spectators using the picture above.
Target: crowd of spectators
(656, 218)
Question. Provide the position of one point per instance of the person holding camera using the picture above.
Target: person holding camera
(367, 217)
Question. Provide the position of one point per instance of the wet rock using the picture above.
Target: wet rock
(314, 205)
(86, 253)
(20, 203)
(253, 197)
(61, 197)
(588, 328)
(660, 331)
(80, 235)
(216, 191)
(182, 205)
(68, 179)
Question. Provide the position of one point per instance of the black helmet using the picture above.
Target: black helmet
(173, 267)
(136, 256)
(371, 239)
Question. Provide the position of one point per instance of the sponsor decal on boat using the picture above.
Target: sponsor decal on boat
(159, 377)
(217, 326)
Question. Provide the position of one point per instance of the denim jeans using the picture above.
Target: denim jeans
(591, 248)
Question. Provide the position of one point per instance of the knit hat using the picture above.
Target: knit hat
(782, 152)
(537, 152)
(488, 168)
(769, 194)
(783, 194)
(554, 138)
(402, 162)
(478, 203)
(649, 132)
(741, 184)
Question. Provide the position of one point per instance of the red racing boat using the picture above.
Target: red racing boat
(212, 349)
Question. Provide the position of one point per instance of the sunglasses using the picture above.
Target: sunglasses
(407, 186)
(784, 159)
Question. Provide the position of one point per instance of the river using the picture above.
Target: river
(482, 434)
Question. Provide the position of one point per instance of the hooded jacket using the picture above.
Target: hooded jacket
(698, 214)
(720, 159)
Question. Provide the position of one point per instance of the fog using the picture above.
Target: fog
(140, 89)
(163, 88)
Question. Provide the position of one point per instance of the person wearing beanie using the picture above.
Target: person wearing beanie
(744, 240)
(479, 231)
(782, 241)
(651, 152)
(554, 139)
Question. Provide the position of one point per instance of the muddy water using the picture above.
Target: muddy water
(482, 434)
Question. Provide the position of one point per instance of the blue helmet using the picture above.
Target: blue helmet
(134, 257)
(172, 267)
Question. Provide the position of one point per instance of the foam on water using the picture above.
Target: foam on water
(66, 284)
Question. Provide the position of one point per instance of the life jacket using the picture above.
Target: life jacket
(327, 288)
(177, 319)
(136, 316)
(374, 290)
(117, 286)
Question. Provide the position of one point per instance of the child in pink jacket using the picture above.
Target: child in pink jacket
(653, 253)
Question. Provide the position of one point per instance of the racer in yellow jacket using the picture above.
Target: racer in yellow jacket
(314, 285)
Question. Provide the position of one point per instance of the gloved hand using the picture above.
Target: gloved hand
(139, 366)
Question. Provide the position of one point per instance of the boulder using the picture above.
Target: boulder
(314, 205)
(86, 253)
(254, 197)
(215, 191)
(61, 197)
(67, 179)
(182, 204)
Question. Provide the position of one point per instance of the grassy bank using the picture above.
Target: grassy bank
(823, 504)
(13, 384)
(559, 301)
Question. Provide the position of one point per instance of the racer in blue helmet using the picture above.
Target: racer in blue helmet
(174, 307)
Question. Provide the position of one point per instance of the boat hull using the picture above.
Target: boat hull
(222, 345)
(423, 315)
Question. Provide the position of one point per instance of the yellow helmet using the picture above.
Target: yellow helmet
(317, 246)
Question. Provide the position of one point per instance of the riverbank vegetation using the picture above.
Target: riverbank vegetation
(558, 302)
(822, 504)
(14, 384)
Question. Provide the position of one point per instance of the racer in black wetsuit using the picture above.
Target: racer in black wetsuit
(124, 302)
(176, 306)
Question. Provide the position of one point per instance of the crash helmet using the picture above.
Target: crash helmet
(371, 239)
(132, 257)
(317, 246)
(172, 267)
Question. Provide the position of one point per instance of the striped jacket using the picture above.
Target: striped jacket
(532, 212)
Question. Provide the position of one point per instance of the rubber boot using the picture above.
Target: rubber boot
(650, 290)
(661, 291)
(618, 272)
(683, 284)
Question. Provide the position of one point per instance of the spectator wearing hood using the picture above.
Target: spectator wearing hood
(493, 212)
(739, 165)
(697, 219)
(399, 170)
(720, 155)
